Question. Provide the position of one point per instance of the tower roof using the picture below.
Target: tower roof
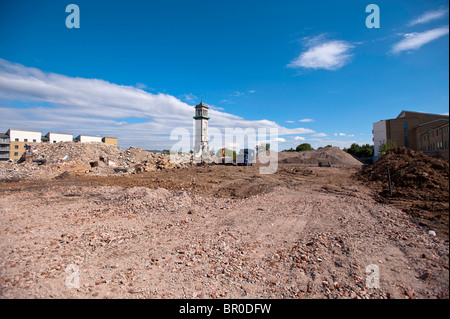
(201, 104)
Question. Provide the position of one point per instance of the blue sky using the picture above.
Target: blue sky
(134, 69)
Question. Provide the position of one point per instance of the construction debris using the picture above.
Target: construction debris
(45, 159)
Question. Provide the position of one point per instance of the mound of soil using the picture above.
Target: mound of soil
(420, 186)
(336, 157)
(424, 177)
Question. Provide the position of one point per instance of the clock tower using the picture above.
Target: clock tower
(201, 147)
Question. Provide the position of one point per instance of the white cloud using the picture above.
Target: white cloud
(141, 86)
(415, 40)
(190, 98)
(428, 16)
(339, 134)
(306, 120)
(251, 91)
(279, 140)
(290, 121)
(76, 105)
(319, 135)
(299, 138)
(323, 54)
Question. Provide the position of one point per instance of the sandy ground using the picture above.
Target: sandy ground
(214, 232)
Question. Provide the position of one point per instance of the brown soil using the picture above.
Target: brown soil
(214, 231)
(420, 186)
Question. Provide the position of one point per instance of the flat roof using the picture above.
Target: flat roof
(21, 130)
(89, 135)
(59, 133)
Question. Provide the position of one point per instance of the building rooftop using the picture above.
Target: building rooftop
(21, 130)
(201, 104)
(89, 135)
(58, 133)
(403, 114)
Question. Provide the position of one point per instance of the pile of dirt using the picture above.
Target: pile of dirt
(414, 174)
(334, 155)
(420, 186)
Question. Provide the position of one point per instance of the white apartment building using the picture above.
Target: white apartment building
(16, 135)
(88, 138)
(53, 137)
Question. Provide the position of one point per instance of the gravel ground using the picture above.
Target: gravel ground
(294, 240)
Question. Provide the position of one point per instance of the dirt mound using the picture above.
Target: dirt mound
(336, 157)
(426, 175)
(420, 186)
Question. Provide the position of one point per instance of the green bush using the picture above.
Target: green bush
(365, 150)
(304, 147)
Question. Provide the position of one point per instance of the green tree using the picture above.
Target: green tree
(365, 150)
(304, 147)
(386, 146)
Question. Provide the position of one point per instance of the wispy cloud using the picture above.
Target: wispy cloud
(415, 40)
(141, 86)
(240, 93)
(428, 16)
(319, 135)
(299, 138)
(95, 106)
(323, 54)
(190, 98)
(290, 122)
(306, 120)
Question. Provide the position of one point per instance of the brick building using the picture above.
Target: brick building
(419, 131)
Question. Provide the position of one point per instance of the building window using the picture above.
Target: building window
(25, 140)
(16, 147)
(34, 141)
(16, 139)
(16, 154)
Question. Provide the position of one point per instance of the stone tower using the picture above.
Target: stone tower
(201, 147)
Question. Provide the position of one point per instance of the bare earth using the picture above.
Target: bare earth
(213, 232)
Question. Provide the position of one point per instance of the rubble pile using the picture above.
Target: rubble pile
(45, 159)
